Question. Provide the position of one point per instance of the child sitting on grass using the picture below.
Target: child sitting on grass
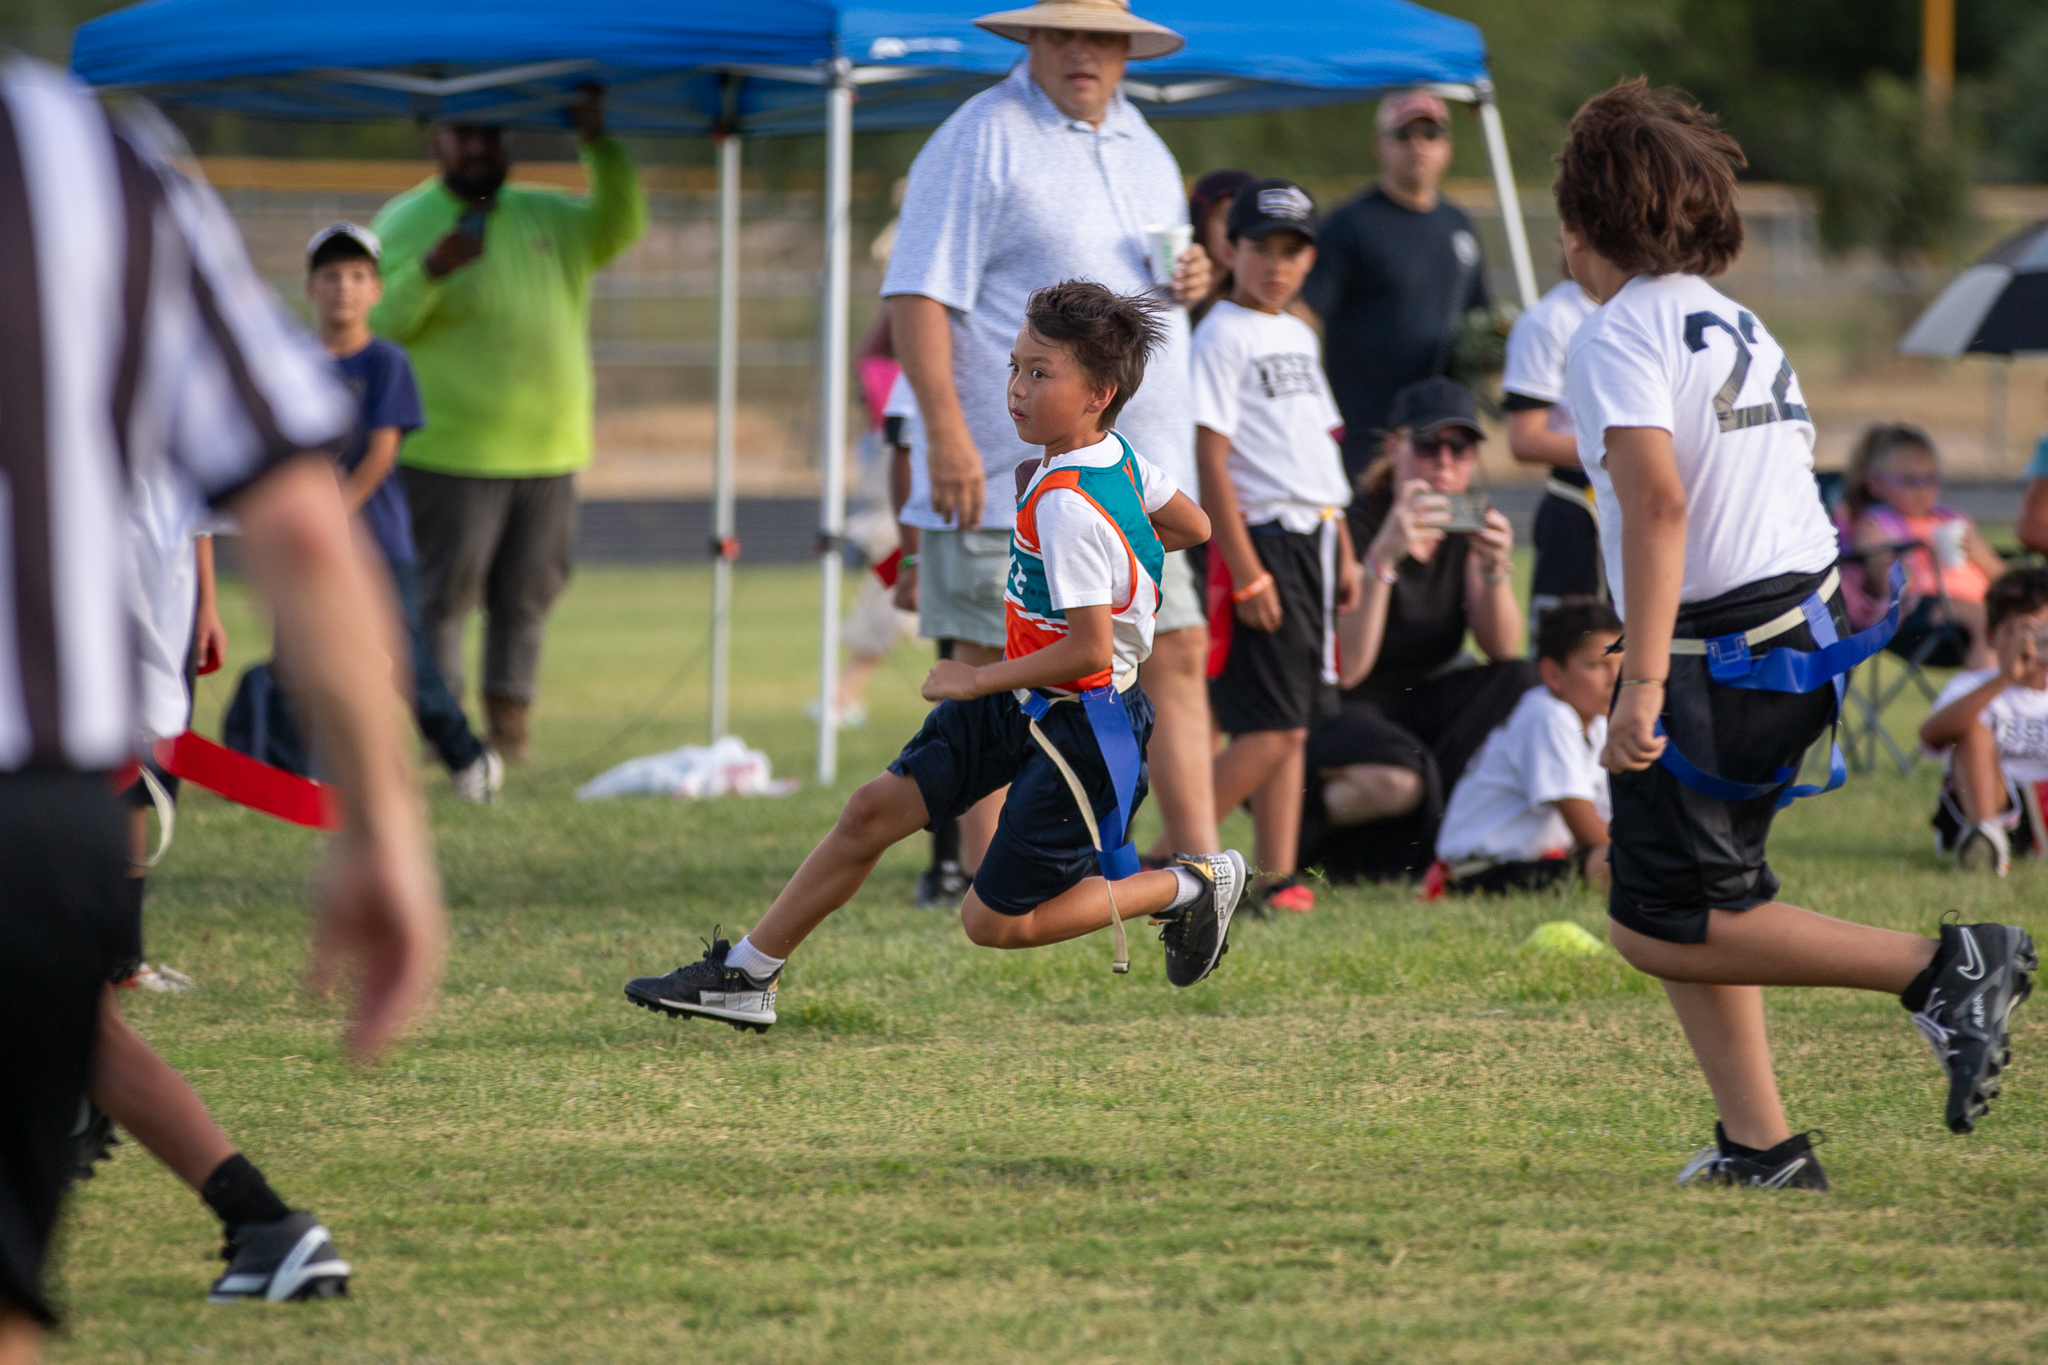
(1993, 722)
(1060, 716)
(1281, 566)
(1891, 494)
(1533, 806)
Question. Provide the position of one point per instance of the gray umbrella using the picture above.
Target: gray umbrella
(1999, 306)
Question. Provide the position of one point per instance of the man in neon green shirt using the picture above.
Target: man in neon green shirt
(487, 286)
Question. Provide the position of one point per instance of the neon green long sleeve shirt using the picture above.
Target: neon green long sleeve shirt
(501, 346)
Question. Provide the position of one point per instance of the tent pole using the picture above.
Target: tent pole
(725, 547)
(1510, 201)
(832, 359)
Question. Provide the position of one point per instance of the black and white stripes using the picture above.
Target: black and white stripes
(134, 340)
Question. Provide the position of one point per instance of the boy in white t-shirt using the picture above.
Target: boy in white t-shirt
(1539, 421)
(1533, 807)
(1993, 724)
(1059, 717)
(1692, 428)
(1280, 565)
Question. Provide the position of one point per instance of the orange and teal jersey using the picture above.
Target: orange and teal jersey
(1108, 479)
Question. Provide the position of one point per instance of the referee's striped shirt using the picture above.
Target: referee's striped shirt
(134, 338)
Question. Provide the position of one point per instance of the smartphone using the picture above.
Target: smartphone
(1468, 511)
(471, 223)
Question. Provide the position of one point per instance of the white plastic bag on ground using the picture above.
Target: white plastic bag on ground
(727, 767)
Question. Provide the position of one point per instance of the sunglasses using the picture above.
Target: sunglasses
(1436, 447)
(1422, 130)
(1907, 480)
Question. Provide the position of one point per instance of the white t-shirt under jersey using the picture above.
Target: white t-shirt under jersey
(1505, 805)
(1086, 564)
(1539, 346)
(2018, 718)
(1671, 351)
(1258, 379)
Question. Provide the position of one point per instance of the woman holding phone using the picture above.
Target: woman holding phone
(1415, 705)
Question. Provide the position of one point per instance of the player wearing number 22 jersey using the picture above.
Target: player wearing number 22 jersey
(1674, 352)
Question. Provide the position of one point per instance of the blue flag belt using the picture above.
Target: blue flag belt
(1730, 663)
(1114, 853)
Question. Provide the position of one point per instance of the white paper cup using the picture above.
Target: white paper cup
(1948, 544)
(1163, 245)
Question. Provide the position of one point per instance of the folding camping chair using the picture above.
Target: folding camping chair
(1943, 643)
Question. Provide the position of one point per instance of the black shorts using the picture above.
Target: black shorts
(63, 858)
(1567, 542)
(1273, 680)
(1678, 853)
(968, 749)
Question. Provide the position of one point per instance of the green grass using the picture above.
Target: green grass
(1383, 1132)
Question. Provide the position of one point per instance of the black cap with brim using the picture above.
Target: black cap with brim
(1265, 207)
(1430, 405)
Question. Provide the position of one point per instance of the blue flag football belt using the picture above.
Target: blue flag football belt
(1730, 663)
(1114, 853)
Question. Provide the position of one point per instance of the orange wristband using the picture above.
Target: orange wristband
(1253, 589)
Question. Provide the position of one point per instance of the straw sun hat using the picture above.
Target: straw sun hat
(1092, 16)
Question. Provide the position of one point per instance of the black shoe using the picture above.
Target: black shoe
(292, 1258)
(1989, 970)
(1198, 935)
(93, 1139)
(709, 989)
(1791, 1165)
(941, 886)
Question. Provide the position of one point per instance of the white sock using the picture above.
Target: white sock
(1189, 890)
(751, 960)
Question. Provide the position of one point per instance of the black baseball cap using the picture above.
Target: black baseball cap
(1268, 206)
(1429, 405)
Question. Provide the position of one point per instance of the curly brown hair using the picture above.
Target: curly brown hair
(1110, 334)
(2018, 592)
(1648, 179)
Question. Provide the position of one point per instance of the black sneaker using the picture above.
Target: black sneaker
(292, 1258)
(1989, 971)
(93, 1139)
(941, 886)
(1198, 935)
(709, 989)
(1791, 1165)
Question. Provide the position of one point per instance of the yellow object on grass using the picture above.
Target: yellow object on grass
(1563, 936)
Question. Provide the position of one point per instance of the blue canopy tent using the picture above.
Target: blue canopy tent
(771, 67)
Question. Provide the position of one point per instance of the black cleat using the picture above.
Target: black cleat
(1791, 1165)
(1198, 935)
(93, 1139)
(942, 886)
(709, 989)
(1989, 971)
(292, 1258)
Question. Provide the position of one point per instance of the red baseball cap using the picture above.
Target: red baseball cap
(1397, 111)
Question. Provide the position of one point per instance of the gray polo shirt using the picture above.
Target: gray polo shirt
(1010, 195)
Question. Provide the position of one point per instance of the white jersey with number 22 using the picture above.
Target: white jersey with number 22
(1671, 351)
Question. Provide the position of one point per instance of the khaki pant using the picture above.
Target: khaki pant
(504, 545)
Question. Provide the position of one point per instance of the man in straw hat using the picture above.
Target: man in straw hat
(1051, 175)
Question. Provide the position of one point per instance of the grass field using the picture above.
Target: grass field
(1383, 1132)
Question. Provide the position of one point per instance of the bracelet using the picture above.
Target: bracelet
(1387, 576)
(907, 562)
(1640, 682)
(1495, 579)
(1253, 589)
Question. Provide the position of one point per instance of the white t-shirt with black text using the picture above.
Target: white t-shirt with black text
(1539, 345)
(1258, 379)
(1671, 351)
(1505, 806)
(1086, 563)
(2018, 719)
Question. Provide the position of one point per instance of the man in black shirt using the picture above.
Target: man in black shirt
(1397, 269)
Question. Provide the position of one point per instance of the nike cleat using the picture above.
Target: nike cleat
(709, 989)
(1989, 971)
(292, 1258)
(1790, 1165)
(1198, 935)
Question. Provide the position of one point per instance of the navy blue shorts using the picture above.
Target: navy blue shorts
(967, 749)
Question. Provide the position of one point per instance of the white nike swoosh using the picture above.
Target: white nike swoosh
(1973, 959)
